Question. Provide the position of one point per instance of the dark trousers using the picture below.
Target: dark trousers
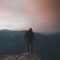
(29, 46)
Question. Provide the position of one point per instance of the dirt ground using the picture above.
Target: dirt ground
(19, 57)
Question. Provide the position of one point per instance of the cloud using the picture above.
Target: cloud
(41, 15)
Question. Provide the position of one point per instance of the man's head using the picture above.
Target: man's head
(30, 29)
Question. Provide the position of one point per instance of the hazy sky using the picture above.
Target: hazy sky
(41, 15)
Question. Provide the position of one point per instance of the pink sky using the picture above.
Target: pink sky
(41, 15)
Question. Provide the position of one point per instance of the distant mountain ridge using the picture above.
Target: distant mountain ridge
(12, 42)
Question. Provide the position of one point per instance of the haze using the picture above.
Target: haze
(41, 15)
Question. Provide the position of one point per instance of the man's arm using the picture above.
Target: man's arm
(34, 36)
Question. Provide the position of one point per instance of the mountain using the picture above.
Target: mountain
(46, 46)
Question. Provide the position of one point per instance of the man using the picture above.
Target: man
(29, 35)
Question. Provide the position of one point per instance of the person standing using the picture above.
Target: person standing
(29, 36)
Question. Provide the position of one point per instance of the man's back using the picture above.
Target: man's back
(29, 34)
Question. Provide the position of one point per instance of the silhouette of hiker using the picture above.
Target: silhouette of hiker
(29, 35)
